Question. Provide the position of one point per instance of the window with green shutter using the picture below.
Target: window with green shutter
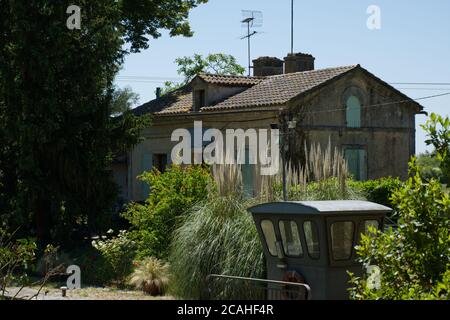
(356, 162)
(353, 108)
(146, 165)
(248, 176)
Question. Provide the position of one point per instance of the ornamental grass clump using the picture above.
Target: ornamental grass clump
(151, 276)
(217, 237)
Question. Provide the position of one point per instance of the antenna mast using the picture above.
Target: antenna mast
(252, 19)
(292, 26)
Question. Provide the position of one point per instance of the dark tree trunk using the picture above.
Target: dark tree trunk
(42, 215)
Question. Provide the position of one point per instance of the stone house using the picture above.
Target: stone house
(369, 120)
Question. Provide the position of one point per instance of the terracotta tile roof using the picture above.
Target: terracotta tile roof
(279, 89)
(262, 91)
(178, 101)
(230, 80)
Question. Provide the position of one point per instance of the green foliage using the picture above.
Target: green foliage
(151, 276)
(218, 236)
(118, 254)
(415, 258)
(170, 86)
(15, 258)
(95, 270)
(379, 190)
(438, 131)
(327, 189)
(123, 100)
(216, 63)
(57, 137)
(430, 167)
(172, 194)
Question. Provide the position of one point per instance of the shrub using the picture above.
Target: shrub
(172, 194)
(414, 259)
(151, 276)
(95, 269)
(15, 259)
(218, 236)
(429, 166)
(328, 189)
(438, 135)
(379, 191)
(118, 254)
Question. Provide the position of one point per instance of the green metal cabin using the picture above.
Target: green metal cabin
(313, 241)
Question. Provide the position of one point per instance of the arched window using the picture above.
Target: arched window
(353, 112)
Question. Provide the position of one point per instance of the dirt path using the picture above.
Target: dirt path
(90, 293)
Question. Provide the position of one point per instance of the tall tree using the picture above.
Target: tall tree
(123, 100)
(216, 63)
(56, 91)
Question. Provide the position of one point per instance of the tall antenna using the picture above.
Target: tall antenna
(292, 26)
(251, 19)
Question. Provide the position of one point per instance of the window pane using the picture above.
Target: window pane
(370, 223)
(291, 238)
(269, 235)
(342, 239)
(353, 112)
(312, 239)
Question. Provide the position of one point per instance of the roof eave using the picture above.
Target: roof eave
(420, 108)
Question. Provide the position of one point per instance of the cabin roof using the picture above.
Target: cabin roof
(318, 207)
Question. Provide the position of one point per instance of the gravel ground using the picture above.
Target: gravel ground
(90, 293)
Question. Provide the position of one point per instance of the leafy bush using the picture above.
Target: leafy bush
(151, 276)
(328, 189)
(118, 254)
(438, 135)
(414, 259)
(172, 194)
(379, 190)
(95, 269)
(429, 166)
(15, 259)
(218, 236)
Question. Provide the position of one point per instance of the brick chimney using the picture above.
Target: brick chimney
(267, 66)
(297, 62)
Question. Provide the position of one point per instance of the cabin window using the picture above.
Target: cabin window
(353, 115)
(356, 159)
(269, 235)
(291, 238)
(342, 239)
(312, 239)
(370, 223)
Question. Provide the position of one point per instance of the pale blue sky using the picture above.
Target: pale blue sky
(413, 44)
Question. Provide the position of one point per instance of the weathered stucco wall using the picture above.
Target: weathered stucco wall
(387, 131)
(157, 139)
